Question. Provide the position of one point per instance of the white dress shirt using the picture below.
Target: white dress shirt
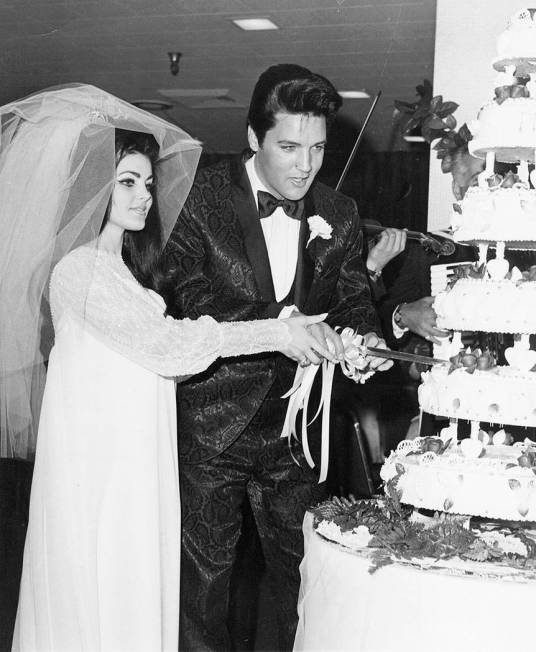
(281, 234)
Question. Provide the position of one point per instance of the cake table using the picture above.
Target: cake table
(399, 607)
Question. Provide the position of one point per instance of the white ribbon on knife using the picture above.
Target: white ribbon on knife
(352, 365)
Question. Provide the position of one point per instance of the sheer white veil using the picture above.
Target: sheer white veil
(57, 166)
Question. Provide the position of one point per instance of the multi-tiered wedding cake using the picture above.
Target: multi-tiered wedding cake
(483, 475)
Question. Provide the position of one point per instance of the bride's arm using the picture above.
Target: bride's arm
(96, 289)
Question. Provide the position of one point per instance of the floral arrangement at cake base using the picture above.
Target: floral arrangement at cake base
(389, 532)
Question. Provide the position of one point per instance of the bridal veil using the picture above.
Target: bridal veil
(57, 166)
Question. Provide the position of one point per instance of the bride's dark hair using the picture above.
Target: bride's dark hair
(142, 249)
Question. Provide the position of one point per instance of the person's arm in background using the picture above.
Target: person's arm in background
(418, 317)
(380, 252)
(406, 304)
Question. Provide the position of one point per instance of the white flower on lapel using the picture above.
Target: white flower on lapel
(319, 228)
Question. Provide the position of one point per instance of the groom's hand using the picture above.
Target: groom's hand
(375, 363)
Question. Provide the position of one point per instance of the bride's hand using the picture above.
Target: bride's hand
(304, 347)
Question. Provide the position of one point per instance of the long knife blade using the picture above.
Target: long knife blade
(401, 355)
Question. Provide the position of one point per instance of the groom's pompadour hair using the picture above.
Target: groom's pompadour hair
(289, 88)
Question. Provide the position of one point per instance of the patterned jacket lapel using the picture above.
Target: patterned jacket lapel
(305, 266)
(247, 214)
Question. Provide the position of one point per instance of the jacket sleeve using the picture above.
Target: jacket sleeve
(407, 279)
(100, 293)
(352, 304)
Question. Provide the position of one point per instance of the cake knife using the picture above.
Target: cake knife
(401, 355)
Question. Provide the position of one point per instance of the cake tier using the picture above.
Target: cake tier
(487, 305)
(501, 214)
(501, 395)
(491, 486)
(508, 129)
(523, 66)
(517, 42)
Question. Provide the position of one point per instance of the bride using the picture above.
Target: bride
(96, 184)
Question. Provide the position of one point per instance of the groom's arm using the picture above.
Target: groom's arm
(352, 304)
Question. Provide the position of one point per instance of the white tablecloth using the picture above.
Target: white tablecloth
(343, 607)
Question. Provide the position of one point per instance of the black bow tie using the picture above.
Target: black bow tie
(268, 203)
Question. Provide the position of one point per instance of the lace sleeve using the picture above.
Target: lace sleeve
(97, 289)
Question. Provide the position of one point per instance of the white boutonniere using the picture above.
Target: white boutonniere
(319, 228)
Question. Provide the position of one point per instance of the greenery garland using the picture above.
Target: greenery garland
(396, 537)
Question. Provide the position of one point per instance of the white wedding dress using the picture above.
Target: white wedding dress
(102, 552)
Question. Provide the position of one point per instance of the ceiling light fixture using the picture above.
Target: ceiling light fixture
(204, 98)
(174, 58)
(152, 105)
(355, 95)
(254, 24)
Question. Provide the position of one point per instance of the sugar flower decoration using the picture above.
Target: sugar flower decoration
(319, 228)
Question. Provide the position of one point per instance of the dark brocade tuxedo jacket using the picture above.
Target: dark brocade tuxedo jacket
(219, 263)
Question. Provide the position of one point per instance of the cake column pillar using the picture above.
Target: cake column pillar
(523, 172)
(475, 429)
(488, 171)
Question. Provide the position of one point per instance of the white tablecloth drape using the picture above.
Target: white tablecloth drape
(345, 608)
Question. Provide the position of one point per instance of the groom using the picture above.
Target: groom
(241, 250)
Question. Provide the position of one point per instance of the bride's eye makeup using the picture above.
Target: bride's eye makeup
(127, 181)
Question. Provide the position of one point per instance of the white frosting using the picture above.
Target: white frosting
(518, 40)
(506, 78)
(486, 305)
(483, 215)
(357, 538)
(510, 125)
(480, 487)
(510, 544)
(501, 395)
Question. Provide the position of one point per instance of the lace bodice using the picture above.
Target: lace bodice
(97, 289)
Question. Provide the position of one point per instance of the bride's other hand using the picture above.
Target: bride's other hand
(305, 347)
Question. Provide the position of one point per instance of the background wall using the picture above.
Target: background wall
(465, 45)
(390, 187)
